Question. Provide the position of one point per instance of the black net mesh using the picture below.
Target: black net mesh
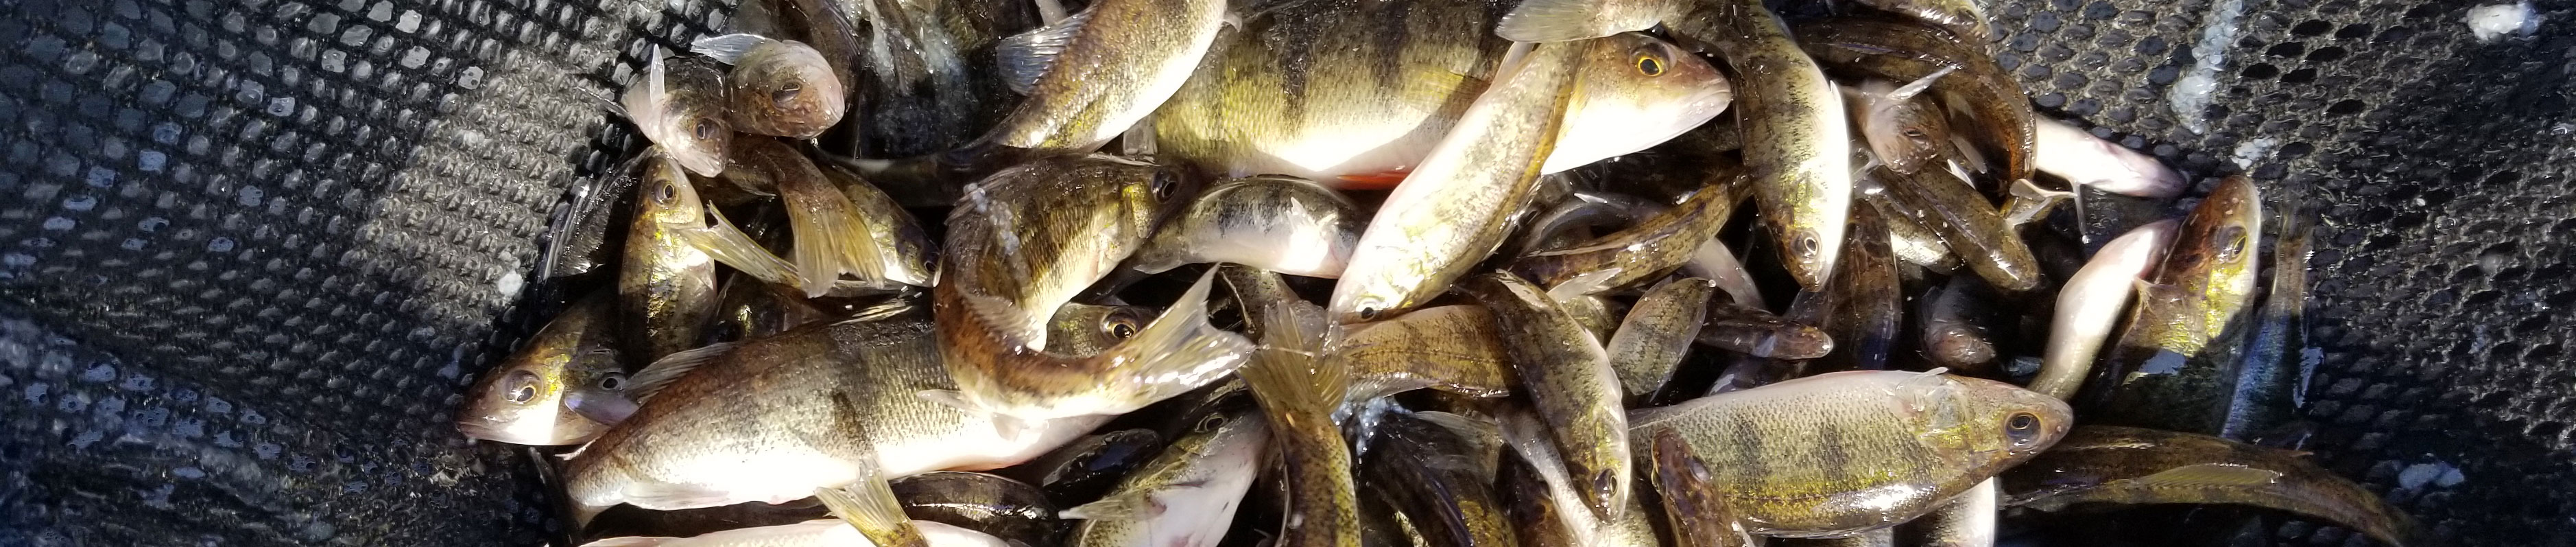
(250, 250)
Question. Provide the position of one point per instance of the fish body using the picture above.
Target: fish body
(1797, 142)
(2169, 368)
(1551, 505)
(1904, 130)
(775, 418)
(2091, 304)
(1961, 17)
(1868, 312)
(1907, 52)
(530, 397)
(1185, 497)
(1440, 476)
(1298, 392)
(812, 533)
(1955, 320)
(904, 250)
(1007, 509)
(1026, 241)
(1451, 348)
(1840, 453)
(667, 287)
(1967, 521)
(2082, 159)
(2125, 465)
(1654, 246)
(680, 105)
(1093, 75)
(1968, 224)
(924, 83)
(1568, 378)
(1087, 468)
(1282, 224)
(1758, 333)
(1657, 334)
(1693, 510)
(2271, 376)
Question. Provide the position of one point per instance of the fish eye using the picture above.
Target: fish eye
(519, 387)
(1805, 244)
(1369, 312)
(705, 129)
(2234, 243)
(1649, 65)
(613, 381)
(786, 93)
(1122, 326)
(665, 192)
(2022, 428)
(1209, 423)
(1163, 183)
(1912, 133)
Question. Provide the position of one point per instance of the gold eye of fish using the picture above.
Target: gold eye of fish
(519, 387)
(1122, 326)
(2235, 243)
(1649, 65)
(2022, 428)
(787, 93)
(1163, 183)
(1805, 244)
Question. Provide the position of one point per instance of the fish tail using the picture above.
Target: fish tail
(1288, 373)
(831, 237)
(1180, 350)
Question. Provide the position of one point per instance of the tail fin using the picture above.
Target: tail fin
(870, 506)
(1287, 372)
(1180, 351)
(831, 238)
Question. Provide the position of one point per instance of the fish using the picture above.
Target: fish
(812, 533)
(777, 87)
(1298, 392)
(1087, 468)
(1574, 220)
(1657, 334)
(2092, 302)
(1693, 510)
(1868, 311)
(530, 397)
(1356, 94)
(1452, 348)
(1455, 208)
(1911, 240)
(1538, 471)
(1437, 469)
(2062, 150)
(1906, 52)
(2168, 368)
(1956, 316)
(1967, 521)
(1568, 379)
(771, 419)
(1006, 509)
(1277, 223)
(1962, 18)
(1905, 130)
(924, 81)
(750, 308)
(1093, 75)
(1968, 223)
(1653, 247)
(666, 287)
(680, 105)
(2273, 375)
(903, 248)
(1084, 330)
(1840, 453)
(832, 234)
(1758, 333)
(1029, 239)
(1185, 497)
(2099, 464)
(1797, 144)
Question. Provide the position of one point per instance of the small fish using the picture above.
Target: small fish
(1758, 333)
(2269, 382)
(1904, 129)
(666, 287)
(1955, 320)
(2085, 160)
(771, 419)
(833, 235)
(1438, 470)
(1884, 537)
(750, 308)
(1080, 329)
(681, 106)
(1657, 334)
(1907, 52)
(1093, 75)
(1797, 142)
(1911, 240)
(2168, 368)
(1876, 448)
(1567, 376)
(2123, 465)
(1277, 223)
(903, 248)
(1967, 521)
(1575, 219)
(924, 82)
(2092, 302)
(1868, 310)
(812, 533)
(1961, 17)
(1967, 223)
(530, 397)
(1693, 508)
(1449, 348)
(1653, 247)
(1085, 469)
(1298, 392)
(778, 87)
(1455, 209)
(1027, 241)
(1185, 497)
(1551, 505)
(1007, 509)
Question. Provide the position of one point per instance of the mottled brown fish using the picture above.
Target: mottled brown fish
(1568, 378)
(778, 87)
(2168, 369)
(1093, 75)
(530, 397)
(680, 105)
(2125, 465)
(1907, 52)
(1282, 224)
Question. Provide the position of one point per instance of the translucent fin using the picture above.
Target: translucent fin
(1115, 507)
(727, 244)
(1180, 351)
(870, 506)
(1050, 11)
(1586, 284)
(1916, 87)
(598, 405)
(1287, 372)
(1562, 20)
(727, 49)
(1027, 56)
(630, 542)
(831, 238)
(644, 383)
(2211, 474)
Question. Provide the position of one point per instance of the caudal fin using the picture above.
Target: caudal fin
(1180, 351)
(831, 238)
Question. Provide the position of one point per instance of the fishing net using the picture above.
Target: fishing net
(251, 250)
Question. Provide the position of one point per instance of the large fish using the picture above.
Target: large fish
(2124, 465)
(1836, 454)
(530, 398)
(1025, 242)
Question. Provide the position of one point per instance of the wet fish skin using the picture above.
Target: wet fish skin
(528, 398)
(1693, 510)
(1759, 333)
(1569, 380)
(1087, 329)
(904, 248)
(1452, 348)
(1962, 18)
(1868, 311)
(1657, 334)
(666, 286)
(1441, 478)
(1955, 320)
(1797, 145)
(1454, 209)
(2125, 465)
(1910, 239)
(778, 87)
(1277, 223)
(1967, 521)
(2272, 376)
(1653, 247)
(812, 533)
(750, 308)
(2092, 302)
(1872, 448)
(2084, 160)
(1968, 223)
(1904, 133)
(680, 104)
(1574, 221)
(1185, 497)
(2167, 369)
(1906, 52)
(1298, 392)
(1029, 239)
(1124, 60)
(1085, 469)
(1006, 509)
(1535, 459)
(827, 398)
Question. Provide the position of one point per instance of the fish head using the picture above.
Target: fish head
(2214, 254)
(1809, 259)
(1904, 133)
(523, 401)
(1087, 329)
(1636, 91)
(666, 197)
(790, 87)
(2007, 424)
(681, 108)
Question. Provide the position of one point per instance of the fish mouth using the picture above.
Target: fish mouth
(513, 433)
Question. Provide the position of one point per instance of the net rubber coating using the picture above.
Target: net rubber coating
(251, 250)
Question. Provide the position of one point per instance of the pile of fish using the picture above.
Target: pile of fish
(1398, 273)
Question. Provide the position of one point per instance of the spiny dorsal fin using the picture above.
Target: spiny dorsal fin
(644, 383)
(1027, 56)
